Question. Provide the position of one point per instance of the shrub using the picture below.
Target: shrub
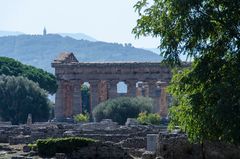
(33, 146)
(49, 147)
(119, 109)
(146, 119)
(81, 118)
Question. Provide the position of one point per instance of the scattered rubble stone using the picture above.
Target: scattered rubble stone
(148, 155)
(60, 156)
(130, 139)
(131, 122)
(177, 146)
(26, 148)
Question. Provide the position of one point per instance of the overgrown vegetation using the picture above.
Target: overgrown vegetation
(19, 97)
(149, 118)
(121, 108)
(81, 117)
(49, 147)
(11, 67)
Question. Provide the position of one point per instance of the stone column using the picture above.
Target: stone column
(154, 95)
(131, 88)
(163, 100)
(68, 99)
(77, 97)
(112, 89)
(94, 94)
(59, 101)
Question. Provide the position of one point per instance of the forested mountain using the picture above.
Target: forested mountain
(39, 50)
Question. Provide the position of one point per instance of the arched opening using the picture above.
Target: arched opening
(121, 88)
(85, 92)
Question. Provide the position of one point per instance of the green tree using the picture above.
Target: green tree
(119, 109)
(19, 97)
(208, 93)
(11, 67)
(190, 27)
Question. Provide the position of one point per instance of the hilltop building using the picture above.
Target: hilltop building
(44, 31)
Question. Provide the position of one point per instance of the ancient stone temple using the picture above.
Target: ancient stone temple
(142, 79)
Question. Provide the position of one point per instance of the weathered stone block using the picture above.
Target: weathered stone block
(152, 140)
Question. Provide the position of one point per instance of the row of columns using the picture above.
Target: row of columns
(68, 96)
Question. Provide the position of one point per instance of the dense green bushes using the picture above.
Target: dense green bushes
(49, 147)
(19, 97)
(149, 118)
(11, 67)
(121, 108)
(81, 118)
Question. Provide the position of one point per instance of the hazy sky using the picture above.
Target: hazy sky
(105, 20)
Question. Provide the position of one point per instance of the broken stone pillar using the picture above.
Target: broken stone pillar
(131, 88)
(152, 142)
(29, 120)
(112, 89)
(77, 97)
(94, 94)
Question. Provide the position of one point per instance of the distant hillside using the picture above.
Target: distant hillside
(10, 33)
(39, 51)
(78, 36)
(155, 50)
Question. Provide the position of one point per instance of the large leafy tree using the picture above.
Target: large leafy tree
(207, 93)
(11, 67)
(19, 97)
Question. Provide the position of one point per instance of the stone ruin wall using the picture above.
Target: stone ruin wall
(142, 79)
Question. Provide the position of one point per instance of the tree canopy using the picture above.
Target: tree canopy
(19, 97)
(207, 93)
(191, 27)
(11, 67)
